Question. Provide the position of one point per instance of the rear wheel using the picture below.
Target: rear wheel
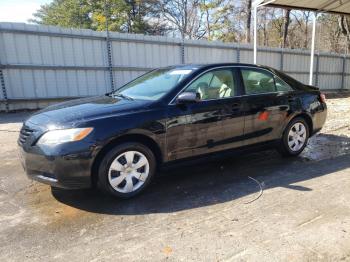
(126, 170)
(295, 137)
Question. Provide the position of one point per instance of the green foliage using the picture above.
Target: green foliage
(66, 13)
(123, 16)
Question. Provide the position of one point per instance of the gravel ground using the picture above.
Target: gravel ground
(208, 212)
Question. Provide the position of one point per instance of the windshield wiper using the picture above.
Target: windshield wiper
(123, 96)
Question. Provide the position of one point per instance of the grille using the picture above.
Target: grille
(24, 134)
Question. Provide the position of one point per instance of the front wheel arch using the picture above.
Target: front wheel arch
(125, 170)
(137, 138)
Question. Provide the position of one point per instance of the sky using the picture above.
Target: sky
(19, 10)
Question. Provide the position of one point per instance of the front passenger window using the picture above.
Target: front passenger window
(258, 81)
(216, 84)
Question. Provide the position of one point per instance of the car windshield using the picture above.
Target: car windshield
(153, 85)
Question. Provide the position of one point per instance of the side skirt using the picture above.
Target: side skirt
(215, 156)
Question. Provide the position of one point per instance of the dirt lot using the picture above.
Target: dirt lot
(206, 212)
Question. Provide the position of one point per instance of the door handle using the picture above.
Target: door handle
(236, 106)
(291, 98)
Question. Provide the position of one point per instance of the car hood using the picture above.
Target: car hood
(72, 112)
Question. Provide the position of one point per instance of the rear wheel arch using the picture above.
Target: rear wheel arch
(138, 138)
(303, 115)
(293, 142)
(308, 120)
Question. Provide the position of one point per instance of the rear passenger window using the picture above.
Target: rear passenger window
(281, 86)
(258, 81)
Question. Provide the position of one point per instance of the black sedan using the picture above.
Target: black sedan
(117, 141)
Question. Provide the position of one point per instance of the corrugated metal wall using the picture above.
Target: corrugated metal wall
(39, 64)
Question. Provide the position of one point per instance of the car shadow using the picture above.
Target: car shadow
(209, 183)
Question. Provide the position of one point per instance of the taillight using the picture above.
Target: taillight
(323, 98)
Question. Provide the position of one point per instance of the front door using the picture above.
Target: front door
(202, 127)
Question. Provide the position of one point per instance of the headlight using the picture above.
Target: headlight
(55, 137)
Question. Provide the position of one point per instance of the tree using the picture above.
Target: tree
(265, 17)
(231, 27)
(286, 27)
(225, 20)
(303, 21)
(184, 17)
(211, 18)
(133, 16)
(344, 26)
(249, 20)
(65, 13)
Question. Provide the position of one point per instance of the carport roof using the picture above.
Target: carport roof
(329, 6)
(319, 6)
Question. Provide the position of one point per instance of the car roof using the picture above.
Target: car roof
(208, 66)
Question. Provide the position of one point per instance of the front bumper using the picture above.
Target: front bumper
(71, 171)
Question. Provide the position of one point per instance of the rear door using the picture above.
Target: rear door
(267, 100)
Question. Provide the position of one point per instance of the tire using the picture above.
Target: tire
(292, 145)
(126, 170)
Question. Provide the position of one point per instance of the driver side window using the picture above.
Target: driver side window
(216, 84)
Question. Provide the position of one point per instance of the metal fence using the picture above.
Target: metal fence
(40, 65)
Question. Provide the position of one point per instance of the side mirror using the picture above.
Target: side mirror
(188, 97)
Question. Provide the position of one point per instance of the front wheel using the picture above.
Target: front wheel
(295, 137)
(126, 170)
